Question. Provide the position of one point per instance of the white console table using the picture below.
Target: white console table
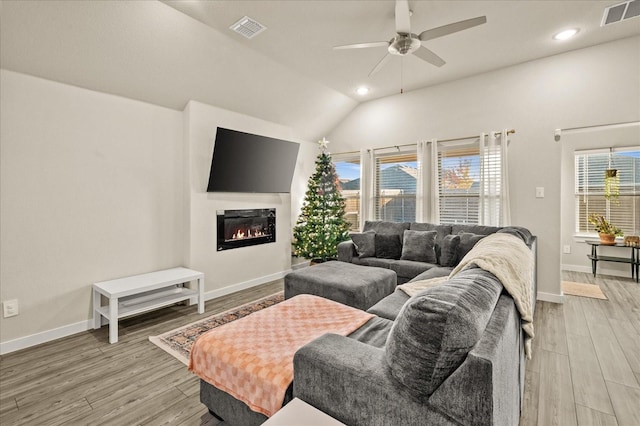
(141, 293)
(297, 412)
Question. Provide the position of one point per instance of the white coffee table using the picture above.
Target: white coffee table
(297, 413)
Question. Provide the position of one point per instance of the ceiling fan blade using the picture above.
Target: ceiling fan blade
(427, 55)
(451, 28)
(380, 64)
(403, 22)
(363, 45)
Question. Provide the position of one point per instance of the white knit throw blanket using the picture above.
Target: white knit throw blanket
(511, 261)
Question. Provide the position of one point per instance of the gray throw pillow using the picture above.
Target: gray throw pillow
(365, 243)
(449, 250)
(436, 329)
(419, 246)
(388, 246)
(467, 241)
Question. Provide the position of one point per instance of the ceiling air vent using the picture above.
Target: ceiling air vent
(248, 27)
(620, 12)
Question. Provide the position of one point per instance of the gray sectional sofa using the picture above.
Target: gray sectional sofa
(451, 355)
(410, 249)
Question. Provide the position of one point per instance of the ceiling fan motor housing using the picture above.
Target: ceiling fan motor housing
(403, 44)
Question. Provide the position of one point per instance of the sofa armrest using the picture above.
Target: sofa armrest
(348, 380)
(346, 251)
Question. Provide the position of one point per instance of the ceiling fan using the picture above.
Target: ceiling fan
(406, 42)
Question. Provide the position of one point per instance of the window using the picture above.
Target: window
(348, 170)
(459, 177)
(623, 212)
(395, 186)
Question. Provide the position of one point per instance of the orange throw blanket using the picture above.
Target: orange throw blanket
(252, 358)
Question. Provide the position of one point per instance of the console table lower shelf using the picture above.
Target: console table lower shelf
(633, 259)
(142, 293)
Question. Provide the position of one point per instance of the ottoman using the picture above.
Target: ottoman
(353, 285)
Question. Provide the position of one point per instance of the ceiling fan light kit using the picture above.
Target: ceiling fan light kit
(403, 44)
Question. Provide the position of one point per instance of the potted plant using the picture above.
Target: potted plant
(607, 231)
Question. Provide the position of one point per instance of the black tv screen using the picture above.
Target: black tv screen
(243, 162)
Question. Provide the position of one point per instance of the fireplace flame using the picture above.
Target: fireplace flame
(241, 234)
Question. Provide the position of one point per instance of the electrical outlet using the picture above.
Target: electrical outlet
(10, 308)
(567, 249)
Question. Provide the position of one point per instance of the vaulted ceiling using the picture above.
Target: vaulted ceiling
(170, 52)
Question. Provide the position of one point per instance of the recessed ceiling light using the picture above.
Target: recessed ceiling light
(362, 90)
(566, 34)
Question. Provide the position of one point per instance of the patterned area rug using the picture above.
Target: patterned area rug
(178, 342)
(583, 290)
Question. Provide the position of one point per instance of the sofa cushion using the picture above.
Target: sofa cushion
(383, 227)
(436, 328)
(388, 246)
(436, 271)
(449, 250)
(373, 261)
(365, 243)
(467, 241)
(419, 246)
(409, 268)
(390, 306)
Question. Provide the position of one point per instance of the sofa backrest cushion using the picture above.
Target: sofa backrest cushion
(475, 229)
(383, 227)
(520, 232)
(419, 246)
(436, 329)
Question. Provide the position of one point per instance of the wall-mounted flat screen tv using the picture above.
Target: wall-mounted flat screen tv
(243, 162)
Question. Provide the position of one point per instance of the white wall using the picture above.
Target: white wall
(601, 137)
(96, 187)
(596, 85)
(91, 188)
(231, 270)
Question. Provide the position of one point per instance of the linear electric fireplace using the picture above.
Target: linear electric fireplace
(242, 228)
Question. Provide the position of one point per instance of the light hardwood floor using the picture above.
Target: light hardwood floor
(585, 368)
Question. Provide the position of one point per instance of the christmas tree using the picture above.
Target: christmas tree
(321, 224)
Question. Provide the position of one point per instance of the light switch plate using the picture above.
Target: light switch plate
(566, 249)
(539, 191)
(10, 308)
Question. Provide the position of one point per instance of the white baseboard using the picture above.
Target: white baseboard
(244, 285)
(68, 330)
(44, 337)
(301, 265)
(550, 297)
(604, 271)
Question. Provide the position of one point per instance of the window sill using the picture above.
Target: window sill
(581, 237)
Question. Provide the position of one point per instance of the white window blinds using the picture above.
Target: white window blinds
(395, 186)
(459, 182)
(622, 211)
